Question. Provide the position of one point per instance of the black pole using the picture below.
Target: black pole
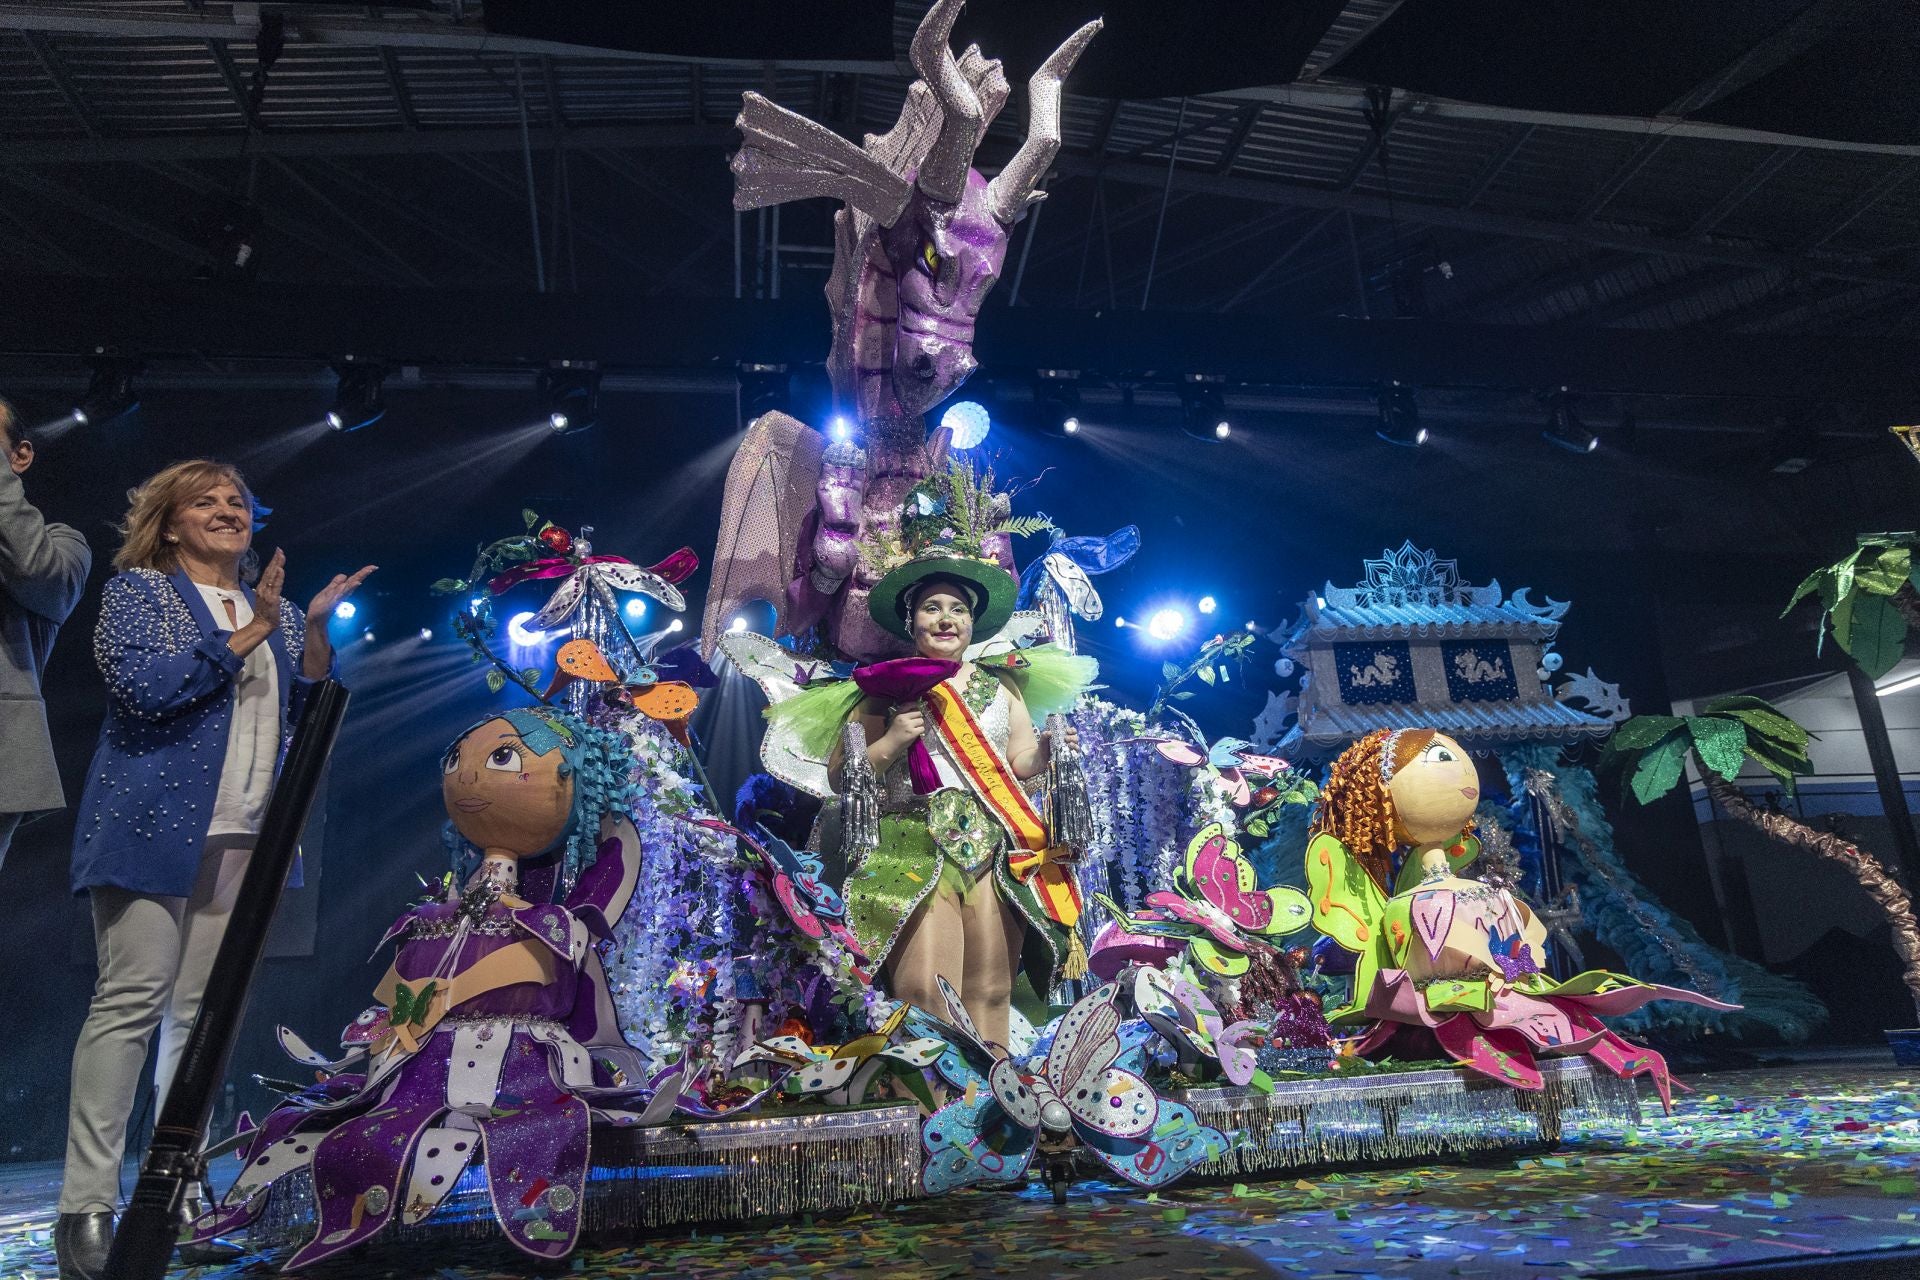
(1886, 772)
(144, 1242)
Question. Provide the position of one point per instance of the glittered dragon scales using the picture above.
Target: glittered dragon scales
(918, 245)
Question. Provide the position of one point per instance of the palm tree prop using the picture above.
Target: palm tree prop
(1870, 599)
(1651, 753)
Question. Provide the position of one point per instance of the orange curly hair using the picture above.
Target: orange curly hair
(1355, 806)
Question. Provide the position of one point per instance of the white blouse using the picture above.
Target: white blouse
(253, 734)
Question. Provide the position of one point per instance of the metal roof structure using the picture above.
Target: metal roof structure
(410, 145)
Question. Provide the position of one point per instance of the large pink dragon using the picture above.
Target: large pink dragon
(918, 246)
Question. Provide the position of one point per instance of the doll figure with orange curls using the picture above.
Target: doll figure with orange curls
(1441, 959)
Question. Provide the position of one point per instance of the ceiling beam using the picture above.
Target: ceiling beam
(1757, 177)
(328, 246)
(1616, 182)
(49, 60)
(318, 24)
(1267, 191)
(628, 331)
(125, 223)
(1882, 187)
(1516, 139)
(357, 142)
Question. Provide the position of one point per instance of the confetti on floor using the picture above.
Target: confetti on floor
(1757, 1166)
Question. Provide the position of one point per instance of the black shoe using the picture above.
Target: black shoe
(211, 1253)
(81, 1242)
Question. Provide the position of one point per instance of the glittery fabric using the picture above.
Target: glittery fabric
(922, 836)
(769, 498)
(143, 816)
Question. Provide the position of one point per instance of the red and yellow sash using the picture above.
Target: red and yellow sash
(1034, 860)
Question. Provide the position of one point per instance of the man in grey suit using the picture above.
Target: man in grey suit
(43, 569)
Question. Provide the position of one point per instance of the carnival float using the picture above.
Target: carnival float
(1031, 934)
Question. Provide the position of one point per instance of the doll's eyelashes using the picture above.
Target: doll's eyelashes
(450, 761)
(505, 759)
(1438, 754)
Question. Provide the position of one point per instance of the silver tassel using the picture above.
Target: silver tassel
(860, 796)
(1069, 808)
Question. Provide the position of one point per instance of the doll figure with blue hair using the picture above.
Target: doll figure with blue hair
(494, 1036)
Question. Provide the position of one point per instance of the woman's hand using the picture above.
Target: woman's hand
(909, 725)
(332, 594)
(266, 607)
(317, 660)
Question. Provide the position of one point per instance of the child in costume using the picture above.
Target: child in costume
(495, 1027)
(1456, 958)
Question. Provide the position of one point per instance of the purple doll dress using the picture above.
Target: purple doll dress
(516, 1075)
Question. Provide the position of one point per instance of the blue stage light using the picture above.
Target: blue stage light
(345, 610)
(636, 608)
(426, 633)
(968, 421)
(517, 631)
(1167, 624)
(840, 429)
(1207, 604)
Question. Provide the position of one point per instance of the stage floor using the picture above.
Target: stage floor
(1812, 1165)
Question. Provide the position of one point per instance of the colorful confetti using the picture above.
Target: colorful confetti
(1756, 1166)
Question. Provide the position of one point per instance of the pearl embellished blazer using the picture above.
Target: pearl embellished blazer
(149, 796)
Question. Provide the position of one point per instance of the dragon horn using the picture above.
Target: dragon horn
(943, 174)
(1009, 194)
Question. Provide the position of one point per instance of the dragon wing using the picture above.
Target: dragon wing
(771, 490)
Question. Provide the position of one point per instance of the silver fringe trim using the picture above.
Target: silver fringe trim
(670, 1175)
(860, 797)
(1069, 810)
(1418, 1114)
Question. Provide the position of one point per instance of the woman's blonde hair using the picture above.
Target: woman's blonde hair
(1355, 806)
(152, 502)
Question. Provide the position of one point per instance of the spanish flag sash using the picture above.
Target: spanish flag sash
(1034, 860)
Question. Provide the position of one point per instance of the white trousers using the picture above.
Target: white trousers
(154, 954)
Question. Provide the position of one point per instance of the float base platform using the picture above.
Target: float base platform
(1806, 1172)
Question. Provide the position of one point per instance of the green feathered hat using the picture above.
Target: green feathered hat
(992, 589)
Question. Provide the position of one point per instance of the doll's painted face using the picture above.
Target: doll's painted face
(501, 796)
(942, 621)
(1434, 793)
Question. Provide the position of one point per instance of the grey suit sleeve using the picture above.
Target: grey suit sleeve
(42, 566)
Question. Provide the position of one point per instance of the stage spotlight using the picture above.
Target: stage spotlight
(1400, 416)
(357, 401)
(1208, 604)
(967, 422)
(674, 626)
(518, 633)
(1203, 408)
(570, 392)
(636, 608)
(1119, 621)
(841, 429)
(109, 392)
(737, 626)
(426, 633)
(1167, 624)
(764, 389)
(1252, 625)
(1564, 429)
(367, 636)
(345, 610)
(1056, 397)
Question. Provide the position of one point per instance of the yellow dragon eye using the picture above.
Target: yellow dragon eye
(930, 256)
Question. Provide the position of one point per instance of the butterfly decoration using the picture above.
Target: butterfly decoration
(1217, 905)
(579, 576)
(1234, 765)
(813, 906)
(781, 674)
(1078, 1094)
(1067, 564)
(843, 1075)
(670, 702)
(1186, 1017)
